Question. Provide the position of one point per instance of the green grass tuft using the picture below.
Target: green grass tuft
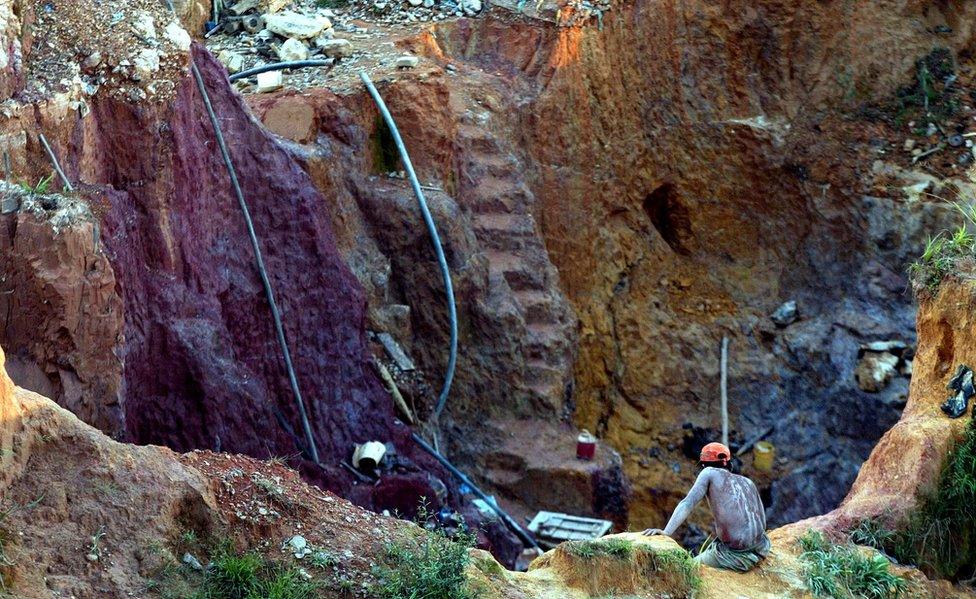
(429, 568)
(233, 575)
(844, 572)
(678, 570)
(943, 252)
(617, 548)
(40, 188)
(932, 98)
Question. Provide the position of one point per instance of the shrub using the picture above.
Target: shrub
(429, 568)
(843, 571)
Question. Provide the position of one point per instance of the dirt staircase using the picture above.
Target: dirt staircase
(493, 188)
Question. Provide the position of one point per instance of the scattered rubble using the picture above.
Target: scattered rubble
(86, 46)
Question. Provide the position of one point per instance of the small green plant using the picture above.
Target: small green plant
(332, 3)
(681, 570)
(324, 559)
(268, 486)
(429, 568)
(943, 252)
(233, 575)
(873, 533)
(617, 548)
(932, 97)
(844, 572)
(40, 188)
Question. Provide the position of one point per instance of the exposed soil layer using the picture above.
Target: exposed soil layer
(689, 169)
(151, 321)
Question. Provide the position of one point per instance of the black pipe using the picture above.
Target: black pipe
(279, 66)
(518, 530)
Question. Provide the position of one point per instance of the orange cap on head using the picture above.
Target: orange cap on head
(715, 452)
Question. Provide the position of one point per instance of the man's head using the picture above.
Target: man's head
(715, 455)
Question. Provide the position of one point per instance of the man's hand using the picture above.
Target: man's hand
(651, 532)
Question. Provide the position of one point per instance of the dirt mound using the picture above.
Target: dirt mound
(87, 517)
(633, 565)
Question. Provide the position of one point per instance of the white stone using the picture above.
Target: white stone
(178, 36)
(415, 2)
(324, 37)
(428, 3)
(270, 81)
(472, 7)
(292, 49)
(144, 25)
(337, 48)
(146, 62)
(232, 60)
(407, 62)
(292, 24)
(875, 371)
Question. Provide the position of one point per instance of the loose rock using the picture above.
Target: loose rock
(178, 36)
(407, 62)
(875, 371)
(292, 49)
(294, 25)
(786, 314)
(270, 81)
(337, 48)
(232, 60)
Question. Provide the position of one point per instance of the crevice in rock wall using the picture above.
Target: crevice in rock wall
(670, 217)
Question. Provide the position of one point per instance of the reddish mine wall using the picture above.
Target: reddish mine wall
(188, 338)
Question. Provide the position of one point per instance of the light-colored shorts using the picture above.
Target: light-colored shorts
(720, 555)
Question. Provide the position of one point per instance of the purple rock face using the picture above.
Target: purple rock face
(202, 365)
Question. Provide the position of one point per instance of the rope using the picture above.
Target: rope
(259, 259)
(279, 66)
(435, 238)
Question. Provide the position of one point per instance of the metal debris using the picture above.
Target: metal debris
(553, 528)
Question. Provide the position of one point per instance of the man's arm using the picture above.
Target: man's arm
(685, 506)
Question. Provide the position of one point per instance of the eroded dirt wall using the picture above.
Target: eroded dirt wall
(695, 166)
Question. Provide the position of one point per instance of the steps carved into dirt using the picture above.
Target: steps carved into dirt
(493, 186)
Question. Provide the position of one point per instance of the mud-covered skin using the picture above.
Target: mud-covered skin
(740, 519)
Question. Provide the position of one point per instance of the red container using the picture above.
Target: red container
(585, 446)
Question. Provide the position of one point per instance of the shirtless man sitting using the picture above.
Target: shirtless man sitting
(740, 520)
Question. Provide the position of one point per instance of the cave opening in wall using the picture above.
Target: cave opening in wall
(670, 217)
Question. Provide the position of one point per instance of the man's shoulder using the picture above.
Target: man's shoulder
(723, 474)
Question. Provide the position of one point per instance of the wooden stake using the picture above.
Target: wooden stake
(725, 391)
(394, 391)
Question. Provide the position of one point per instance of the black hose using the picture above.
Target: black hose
(278, 66)
(268, 291)
(435, 238)
(518, 530)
